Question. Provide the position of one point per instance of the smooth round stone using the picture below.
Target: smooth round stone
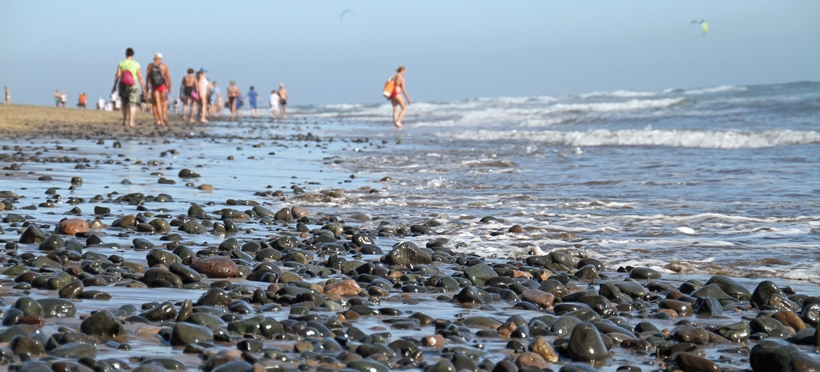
(51, 243)
(26, 346)
(95, 295)
(443, 365)
(644, 273)
(216, 267)
(165, 311)
(365, 365)
(205, 319)
(141, 244)
(103, 324)
(763, 292)
(167, 363)
(564, 325)
(185, 273)
(708, 306)
(585, 344)
(159, 256)
(479, 274)
(161, 274)
(160, 226)
(28, 306)
(771, 355)
(186, 333)
(71, 290)
(770, 326)
(187, 173)
(731, 287)
(406, 253)
(57, 308)
(10, 333)
(74, 350)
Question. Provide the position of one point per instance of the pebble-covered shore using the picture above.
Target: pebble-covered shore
(283, 286)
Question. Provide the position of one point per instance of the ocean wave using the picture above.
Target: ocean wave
(718, 89)
(650, 137)
(620, 94)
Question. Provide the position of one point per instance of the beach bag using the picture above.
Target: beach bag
(195, 95)
(156, 76)
(127, 78)
(389, 87)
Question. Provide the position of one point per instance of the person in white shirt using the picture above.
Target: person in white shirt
(274, 104)
(100, 104)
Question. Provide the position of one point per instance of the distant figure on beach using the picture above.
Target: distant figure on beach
(126, 79)
(274, 104)
(203, 87)
(215, 100)
(233, 92)
(252, 100)
(399, 88)
(186, 88)
(57, 98)
(283, 98)
(63, 98)
(100, 104)
(8, 96)
(176, 104)
(81, 101)
(159, 81)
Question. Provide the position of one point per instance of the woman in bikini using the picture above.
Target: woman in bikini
(185, 89)
(396, 99)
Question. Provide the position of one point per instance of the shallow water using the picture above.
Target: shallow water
(721, 180)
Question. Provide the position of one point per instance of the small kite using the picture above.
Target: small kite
(345, 12)
(702, 23)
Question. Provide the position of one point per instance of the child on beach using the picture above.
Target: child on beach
(252, 97)
(274, 104)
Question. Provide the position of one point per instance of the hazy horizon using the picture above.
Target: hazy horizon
(452, 50)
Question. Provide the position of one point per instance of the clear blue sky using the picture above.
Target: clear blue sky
(452, 49)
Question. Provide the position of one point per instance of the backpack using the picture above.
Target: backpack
(389, 87)
(127, 78)
(157, 79)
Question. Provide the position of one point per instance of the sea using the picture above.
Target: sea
(691, 181)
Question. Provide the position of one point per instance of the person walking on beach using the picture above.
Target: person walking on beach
(252, 100)
(128, 75)
(63, 98)
(399, 88)
(283, 98)
(57, 98)
(203, 87)
(233, 92)
(8, 96)
(159, 82)
(186, 89)
(100, 104)
(81, 101)
(215, 99)
(274, 104)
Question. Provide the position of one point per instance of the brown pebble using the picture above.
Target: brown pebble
(72, 226)
(436, 341)
(539, 297)
(790, 319)
(343, 288)
(216, 267)
(692, 363)
(530, 359)
(516, 229)
(34, 320)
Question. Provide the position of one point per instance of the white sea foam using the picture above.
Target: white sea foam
(649, 137)
(718, 89)
(619, 93)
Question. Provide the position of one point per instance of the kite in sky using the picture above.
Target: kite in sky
(345, 12)
(702, 23)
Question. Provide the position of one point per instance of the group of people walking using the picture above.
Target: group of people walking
(200, 97)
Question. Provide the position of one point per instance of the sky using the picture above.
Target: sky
(452, 49)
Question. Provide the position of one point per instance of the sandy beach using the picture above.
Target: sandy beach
(42, 121)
